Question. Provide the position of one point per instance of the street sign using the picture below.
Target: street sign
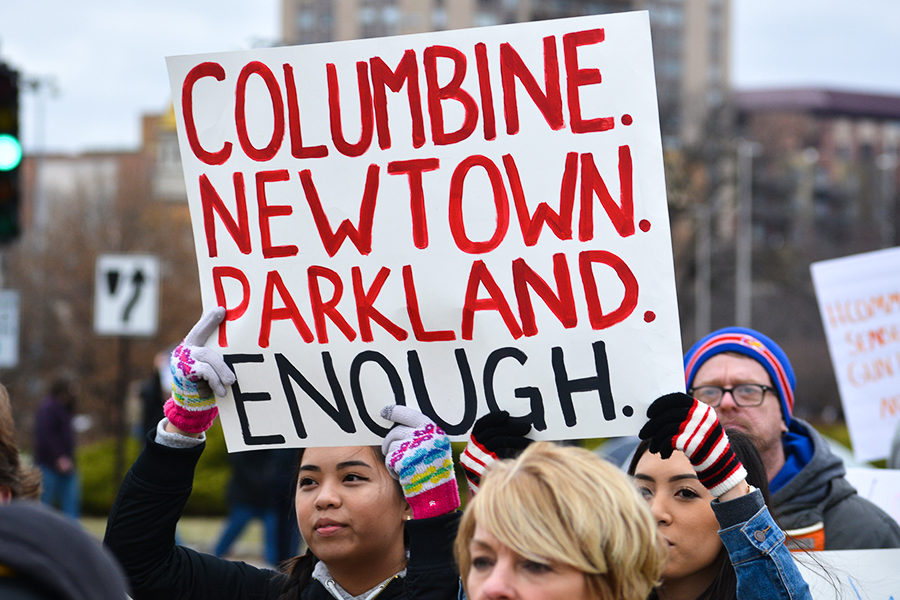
(9, 329)
(126, 295)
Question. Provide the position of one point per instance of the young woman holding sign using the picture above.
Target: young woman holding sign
(378, 522)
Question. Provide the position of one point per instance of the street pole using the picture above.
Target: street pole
(743, 243)
(702, 304)
(117, 407)
(42, 87)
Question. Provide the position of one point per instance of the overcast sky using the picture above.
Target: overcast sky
(107, 59)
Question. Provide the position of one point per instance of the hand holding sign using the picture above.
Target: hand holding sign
(679, 422)
(495, 436)
(199, 374)
(418, 453)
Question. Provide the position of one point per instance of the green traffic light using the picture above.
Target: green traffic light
(10, 152)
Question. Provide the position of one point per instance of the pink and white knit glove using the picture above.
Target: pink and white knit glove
(199, 374)
(417, 453)
(679, 422)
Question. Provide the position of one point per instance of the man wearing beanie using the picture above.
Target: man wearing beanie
(749, 380)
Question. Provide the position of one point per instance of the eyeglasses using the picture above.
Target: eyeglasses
(744, 394)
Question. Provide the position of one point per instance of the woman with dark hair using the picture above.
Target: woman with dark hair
(377, 521)
(707, 491)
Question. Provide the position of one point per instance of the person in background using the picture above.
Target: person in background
(557, 523)
(17, 481)
(54, 448)
(252, 494)
(46, 556)
(749, 380)
(707, 492)
(154, 392)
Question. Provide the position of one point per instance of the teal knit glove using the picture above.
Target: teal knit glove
(418, 453)
(199, 374)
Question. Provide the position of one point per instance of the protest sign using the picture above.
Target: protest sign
(859, 301)
(880, 486)
(851, 574)
(460, 221)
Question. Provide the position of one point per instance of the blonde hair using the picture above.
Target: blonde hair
(22, 481)
(569, 506)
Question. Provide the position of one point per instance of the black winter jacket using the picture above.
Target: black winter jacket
(141, 534)
(819, 493)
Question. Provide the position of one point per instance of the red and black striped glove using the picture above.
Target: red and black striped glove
(494, 436)
(679, 422)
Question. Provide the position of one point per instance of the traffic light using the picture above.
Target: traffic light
(10, 154)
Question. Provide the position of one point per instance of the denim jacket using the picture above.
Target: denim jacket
(755, 545)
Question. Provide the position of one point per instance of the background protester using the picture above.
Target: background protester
(252, 495)
(749, 380)
(46, 556)
(54, 448)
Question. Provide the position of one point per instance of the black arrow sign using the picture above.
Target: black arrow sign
(112, 281)
(138, 281)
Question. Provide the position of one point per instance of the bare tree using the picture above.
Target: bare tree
(53, 270)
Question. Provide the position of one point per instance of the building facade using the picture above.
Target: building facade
(690, 40)
(825, 174)
(823, 183)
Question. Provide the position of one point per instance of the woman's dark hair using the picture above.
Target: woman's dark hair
(746, 451)
(299, 569)
(724, 585)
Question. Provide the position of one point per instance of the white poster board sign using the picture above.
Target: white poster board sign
(859, 300)
(461, 221)
(880, 486)
(9, 329)
(851, 574)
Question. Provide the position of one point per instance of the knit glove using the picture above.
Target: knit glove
(494, 436)
(417, 453)
(199, 374)
(679, 422)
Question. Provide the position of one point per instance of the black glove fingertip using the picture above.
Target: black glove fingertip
(646, 431)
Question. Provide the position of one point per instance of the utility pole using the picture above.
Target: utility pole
(743, 242)
(703, 281)
(41, 87)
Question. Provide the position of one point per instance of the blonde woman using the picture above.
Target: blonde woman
(558, 523)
